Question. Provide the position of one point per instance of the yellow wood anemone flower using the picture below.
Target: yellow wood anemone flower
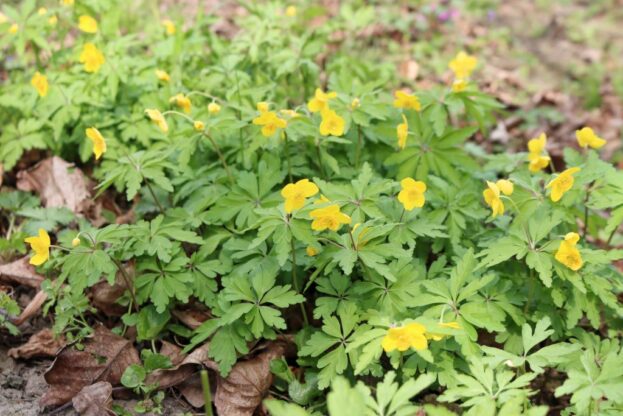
(412, 193)
(320, 100)
(262, 106)
(291, 11)
(13, 29)
(332, 124)
(587, 138)
(459, 85)
(536, 148)
(329, 217)
(169, 26)
(157, 117)
(402, 131)
(492, 195)
(91, 57)
(562, 183)
(568, 254)
(270, 123)
(87, 24)
(182, 102)
(295, 194)
(99, 143)
(406, 101)
(40, 82)
(437, 336)
(41, 246)
(310, 251)
(199, 125)
(404, 337)
(214, 108)
(463, 65)
(163, 75)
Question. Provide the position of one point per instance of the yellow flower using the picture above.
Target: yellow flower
(181, 101)
(199, 125)
(412, 193)
(157, 117)
(214, 108)
(459, 85)
(536, 146)
(53, 20)
(322, 200)
(562, 183)
(463, 65)
(320, 100)
(329, 217)
(331, 124)
(438, 337)
(42, 11)
(492, 195)
(290, 11)
(3, 18)
(41, 246)
(75, 242)
(270, 123)
(40, 82)
(99, 144)
(169, 26)
(262, 106)
(311, 252)
(405, 337)
(568, 254)
(87, 24)
(162, 75)
(295, 194)
(402, 131)
(356, 103)
(67, 2)
(289, 113)
(587, 137)
(406, 101)
(91, 57)
(14, 28)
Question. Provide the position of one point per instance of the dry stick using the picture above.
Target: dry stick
(220, 156)
(207, 394)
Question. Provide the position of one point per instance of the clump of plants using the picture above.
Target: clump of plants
(315, 204)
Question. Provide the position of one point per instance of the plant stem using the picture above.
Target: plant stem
(207, 394)
(285, 135)
(586, 198)
(153, 194)
(126, 278)
(358, 148)
(320, 160)
(221, 157)
(611, 236)
(402, 214)
(295, 281)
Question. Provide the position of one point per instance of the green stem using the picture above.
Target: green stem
(153, 195)
(586, 198)
(126, 279)
(295, 281)
(358, 148)
(402, 214)
(207, 394)
(288, 155)
(221, 157)
(319, 156)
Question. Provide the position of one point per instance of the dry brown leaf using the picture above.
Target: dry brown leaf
(245, 387)
(32, 308)
(409, 69)
(41, 344)
(58, 184)
(192, 390)
(94, 400)
(182, 369)
(20, 272)
(104, 297)
(104, 358)
(192, 318)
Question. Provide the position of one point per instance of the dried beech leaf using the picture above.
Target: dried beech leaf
(94, 400)
(20, 272)
(41, 344)
(105, 358)
(32, 309)
(104, 297)
(182, 369)
(244, 388)
(58, 183)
